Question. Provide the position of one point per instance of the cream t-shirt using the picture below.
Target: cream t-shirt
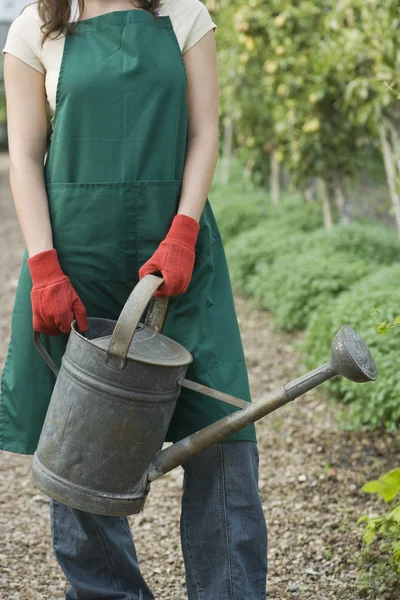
(190, 20)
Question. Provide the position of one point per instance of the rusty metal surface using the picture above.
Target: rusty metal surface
(103, 427)
(351, 357)
(129, 318)
(180, 452)
(46, 356)
(151, 347)
(203, 389)
(134, 341)
(100, 446)
(157, 313)
(348, 354)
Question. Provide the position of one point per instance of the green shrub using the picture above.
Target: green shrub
(384, 530)
(237, 216)
(270, 240)
(295, 214)
(365, 241)
(297, 284)
(371, 404)
(250, 210)
(263, 245)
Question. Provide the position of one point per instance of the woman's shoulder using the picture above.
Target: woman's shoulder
(185, 8)
(190, 20)
(24, 35)
(27, 24)
(28, 17)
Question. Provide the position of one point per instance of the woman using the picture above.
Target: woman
(122, 192)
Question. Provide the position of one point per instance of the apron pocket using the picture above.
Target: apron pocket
(86, 223)
(157, 204)
(106, 231)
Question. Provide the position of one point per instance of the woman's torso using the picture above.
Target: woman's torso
(190, 20)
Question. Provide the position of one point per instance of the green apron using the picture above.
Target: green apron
(113, 176)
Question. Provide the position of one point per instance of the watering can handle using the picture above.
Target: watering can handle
(45, 355)
(129, 319)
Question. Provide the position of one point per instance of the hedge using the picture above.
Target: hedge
(371, 404)
(269, 241)
(297, 284)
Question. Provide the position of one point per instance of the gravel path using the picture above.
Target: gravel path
(310, 479)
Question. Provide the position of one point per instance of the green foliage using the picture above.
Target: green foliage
(298, 283)
(386, 487)
(369, 300)
(384, 529)
(295, 214)
(282, 228)
(377, 577)
(262, 245)
(308, 82)
(365, 241)
(239, 215)
(302, 69)
(272, 239)
(384, 327)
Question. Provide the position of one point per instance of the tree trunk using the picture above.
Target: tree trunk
(227, 149)
(308, 194)
(392, 174)
(310, 191)
(285, 177)
(394, 134)
(275, 180)
(326, 203)
(341, 200)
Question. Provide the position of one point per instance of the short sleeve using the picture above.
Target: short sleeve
(23, 39)
(191, 20)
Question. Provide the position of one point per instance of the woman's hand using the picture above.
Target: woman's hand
(174, 257)
(55, 304)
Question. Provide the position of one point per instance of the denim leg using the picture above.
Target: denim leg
(97, 555)
(223, 528)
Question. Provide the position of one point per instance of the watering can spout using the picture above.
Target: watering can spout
(350, 358)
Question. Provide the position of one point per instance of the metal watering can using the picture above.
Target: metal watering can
(116, 391)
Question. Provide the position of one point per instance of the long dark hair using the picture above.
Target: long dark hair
(55, 14)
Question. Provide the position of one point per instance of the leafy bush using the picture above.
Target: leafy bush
(373, 404)
(239, 215)
(295, 214)
(263, 245)
(269, 241)
(297, 284)
(384, 529)
(365, 241)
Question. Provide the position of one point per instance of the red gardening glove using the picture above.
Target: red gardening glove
(55, 304)
(174, 257)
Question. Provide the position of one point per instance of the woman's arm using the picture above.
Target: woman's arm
(27, 135)
(203, 111)
(175, 256)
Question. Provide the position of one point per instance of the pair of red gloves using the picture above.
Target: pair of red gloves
(55, 304)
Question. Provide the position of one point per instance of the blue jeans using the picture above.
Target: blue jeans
(223, 536)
